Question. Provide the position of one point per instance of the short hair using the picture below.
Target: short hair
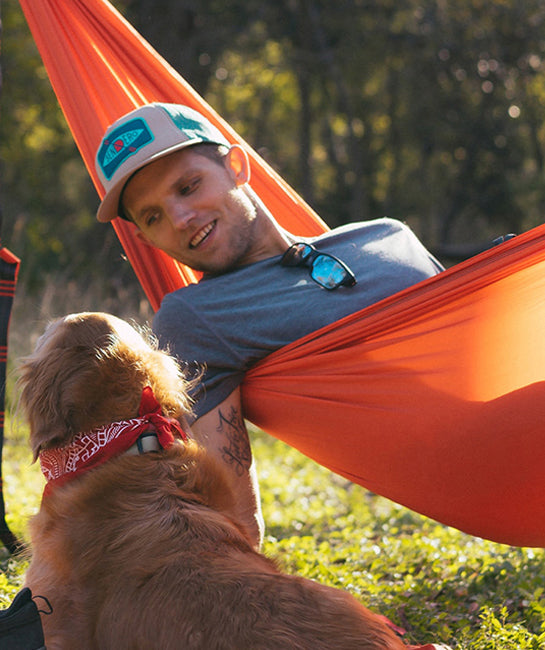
(212, 151)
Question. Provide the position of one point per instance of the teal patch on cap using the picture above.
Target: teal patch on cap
(121, 143)
(193, 125)
(193, 129)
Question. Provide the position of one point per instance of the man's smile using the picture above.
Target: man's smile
(202, 235)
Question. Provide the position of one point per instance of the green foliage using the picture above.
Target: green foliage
(431, 112)
(438, 584)
(425, 111)
(48, 201)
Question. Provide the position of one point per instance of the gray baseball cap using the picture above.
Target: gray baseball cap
(142, 136)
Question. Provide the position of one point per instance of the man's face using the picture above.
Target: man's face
(196, 210)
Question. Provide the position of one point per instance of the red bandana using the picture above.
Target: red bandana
(93, 448)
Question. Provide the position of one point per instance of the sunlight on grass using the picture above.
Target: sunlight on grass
(23, 485)
(438, 583)
(23, 480)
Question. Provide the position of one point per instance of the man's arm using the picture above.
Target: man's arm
(223, 432)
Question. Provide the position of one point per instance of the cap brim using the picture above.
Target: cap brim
(108, 209)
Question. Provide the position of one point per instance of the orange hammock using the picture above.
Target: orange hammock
(433, 397)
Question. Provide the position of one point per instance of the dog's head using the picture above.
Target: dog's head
(88, 370)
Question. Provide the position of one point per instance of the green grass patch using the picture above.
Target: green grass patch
(439, 584)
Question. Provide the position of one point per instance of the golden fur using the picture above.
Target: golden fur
(143, 552)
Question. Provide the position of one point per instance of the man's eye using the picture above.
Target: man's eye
(187, 188)
(151, 219)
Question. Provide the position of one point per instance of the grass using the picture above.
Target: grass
(435, 582)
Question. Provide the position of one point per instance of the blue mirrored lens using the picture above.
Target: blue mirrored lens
(327, 272)
(296, 254)
(304, 251)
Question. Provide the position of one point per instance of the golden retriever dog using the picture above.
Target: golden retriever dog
(141, 550)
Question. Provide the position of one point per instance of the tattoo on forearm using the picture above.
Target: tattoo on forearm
(237, 451)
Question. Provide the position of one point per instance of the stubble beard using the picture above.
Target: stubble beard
(242, 241)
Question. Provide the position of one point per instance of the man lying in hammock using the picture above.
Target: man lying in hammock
(169, 171)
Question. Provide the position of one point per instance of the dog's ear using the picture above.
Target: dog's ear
(64, 359)
(48, 385)
(90, 369)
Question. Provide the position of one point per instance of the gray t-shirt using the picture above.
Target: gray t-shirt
(227, 323)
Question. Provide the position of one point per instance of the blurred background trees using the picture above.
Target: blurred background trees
(429, 111)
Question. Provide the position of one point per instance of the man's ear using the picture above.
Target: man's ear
(238, 164)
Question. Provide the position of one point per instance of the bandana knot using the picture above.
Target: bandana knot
(92, 448)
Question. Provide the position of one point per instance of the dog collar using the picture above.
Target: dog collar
(148, 441)
(92, 448)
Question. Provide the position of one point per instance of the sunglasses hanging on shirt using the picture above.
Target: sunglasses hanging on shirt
(325, 269)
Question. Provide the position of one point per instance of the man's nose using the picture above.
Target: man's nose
(180, 215)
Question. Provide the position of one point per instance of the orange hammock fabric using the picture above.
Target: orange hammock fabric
(434, 397)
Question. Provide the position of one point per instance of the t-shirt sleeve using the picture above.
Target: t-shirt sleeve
(202, 352)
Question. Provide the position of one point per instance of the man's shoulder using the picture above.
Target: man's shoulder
(214, 294)
(176, 308)
(174, 300)
(371, 226)
(218, 290)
